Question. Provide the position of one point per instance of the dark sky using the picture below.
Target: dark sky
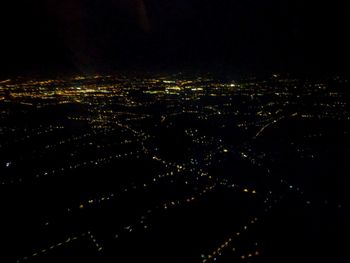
(95, 35)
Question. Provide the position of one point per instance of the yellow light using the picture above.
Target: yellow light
(245, 190)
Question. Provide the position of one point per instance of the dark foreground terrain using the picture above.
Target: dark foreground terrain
(174, 168)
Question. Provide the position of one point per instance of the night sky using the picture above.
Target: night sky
(91, 35)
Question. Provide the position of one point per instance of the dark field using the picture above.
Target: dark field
(174, 168)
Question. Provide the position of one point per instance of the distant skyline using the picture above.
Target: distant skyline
(88, 36)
